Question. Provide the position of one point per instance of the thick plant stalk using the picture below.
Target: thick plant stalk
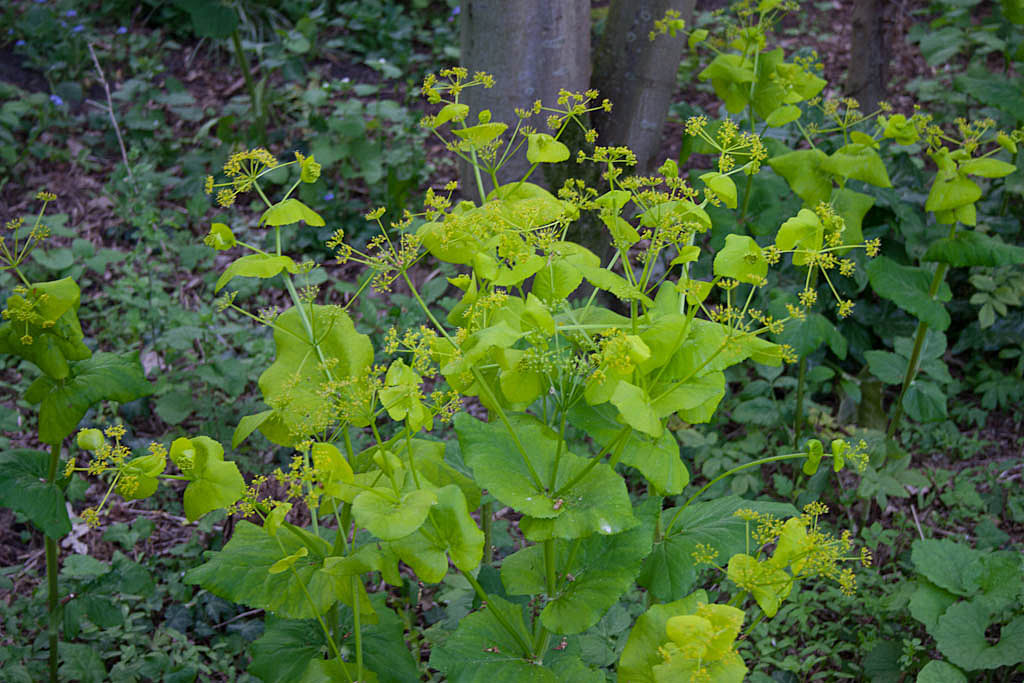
(915, 355)
(257, 107)
(51, 575)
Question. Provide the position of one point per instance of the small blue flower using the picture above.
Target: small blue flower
(57, 101)
(329, 196)
(122, 30)
(19, 43)
(78, 29)
(63, 23)
(71, 13)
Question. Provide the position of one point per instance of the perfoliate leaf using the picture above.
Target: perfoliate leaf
(214, 482)
(449, 529)
(544, 149)
(482, 133)
(802, 233)
(255, 265)
(858, 162)
(785, 114)
(951, 193)
(44, 329)
(390, 517)
(803, 171)
(648, 634)
(741, 259)
(290, 211)
(722, 186)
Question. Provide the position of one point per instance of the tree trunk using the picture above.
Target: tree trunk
(869, 60)
(534, 48)
(638, 75)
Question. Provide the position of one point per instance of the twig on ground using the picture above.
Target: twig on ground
(110, 110)
(917, 522)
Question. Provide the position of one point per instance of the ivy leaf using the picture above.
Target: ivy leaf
(290, 211)
(23, 488)
(972, 248)
(741, 259)
(104, 377)
(255, 265)
(240, 573)
(597, 503)
(907, 287)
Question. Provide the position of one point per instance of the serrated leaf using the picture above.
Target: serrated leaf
(104, 377)
(598, 503)
(946, 564)
(23, 488)
(925, 402)
(972, 248)
(886, 366)
(907, 287)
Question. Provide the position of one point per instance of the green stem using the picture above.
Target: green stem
(356, 626)
(798, 418)
(511, 630)
(487, 521)
(549, 567)
(915, 355)
(51, 574)
(754, 463)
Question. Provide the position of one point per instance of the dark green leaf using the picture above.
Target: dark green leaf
(23, 488)
(908, 287)
(972, 248)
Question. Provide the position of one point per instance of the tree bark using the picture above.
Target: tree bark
(869, 59)
(638, 75)
(534, 48)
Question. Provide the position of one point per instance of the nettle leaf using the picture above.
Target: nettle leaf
(656, 459)
(858, 162)
(104, 377)
(448, 529)
(669, 571)
(240, 572)
(907, 287)
(741, 259)
(290, 211)
(483, 650)
(603, 569)
(23, 488)
(641, 655)
(961, 637)
(256, 265)
(291, 384)
(598, 503)
(542, 148)
(972, 248)
(803, 171)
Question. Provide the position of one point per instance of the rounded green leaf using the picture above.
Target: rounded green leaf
(390, 517)
(481, 134)
(544, 149)
(220, 237)
(741, 259)
(785, 114)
